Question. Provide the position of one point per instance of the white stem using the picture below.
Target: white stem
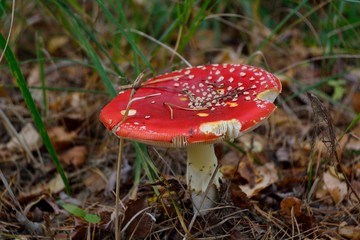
(201, 165)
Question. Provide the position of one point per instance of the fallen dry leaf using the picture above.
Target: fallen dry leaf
(351, 141)
(247, 170)
(336, 186)
(138, 225)
(57, 42)
(29, 136)
(252, 142)
(283, 155)
(7, 155)
(239, 198)
(95, 182)
(350, 232)
(53, 186)
(230, 56)
(75, 156)
(332, 185)
(61, 138)
(229, 164)
(3, 91)
(266, 175)
(39, 205)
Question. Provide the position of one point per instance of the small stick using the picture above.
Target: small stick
(138, 83)
(119, 162)
(117, 194)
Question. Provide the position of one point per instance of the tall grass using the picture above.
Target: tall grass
(18, 76)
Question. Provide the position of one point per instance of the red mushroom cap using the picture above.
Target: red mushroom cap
(199, 104)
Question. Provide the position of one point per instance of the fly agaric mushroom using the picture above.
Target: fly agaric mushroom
(195, 108)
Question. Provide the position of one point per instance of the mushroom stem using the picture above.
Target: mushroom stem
(201, 165)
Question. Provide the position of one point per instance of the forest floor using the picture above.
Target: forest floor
(295, 177)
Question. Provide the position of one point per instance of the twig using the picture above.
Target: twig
(324, 127)
(117, 191)
(147, 83)
(20, 215)
(136, 85)
(163, 45)
(10, 29)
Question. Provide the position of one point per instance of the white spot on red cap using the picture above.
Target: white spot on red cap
(131, 112)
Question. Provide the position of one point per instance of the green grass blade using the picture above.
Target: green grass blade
(151, 171)
(17, 74)
(352, 124)
(92, 37)
(200, 16)
(40, 56)
(73, 25)
(77, 32)
(112, 19)
(94, 58)
(281, 24)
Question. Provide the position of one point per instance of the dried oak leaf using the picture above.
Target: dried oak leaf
(247, 171)
(75, 156)
(95, 182)
(53, 186)
(57, 42)
(29, 136)
(350, 232)
(61, 138)
(334, 186)
(266, 175)
(138, 225)
(239, 198)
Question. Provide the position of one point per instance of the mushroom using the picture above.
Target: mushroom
(195, 108)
